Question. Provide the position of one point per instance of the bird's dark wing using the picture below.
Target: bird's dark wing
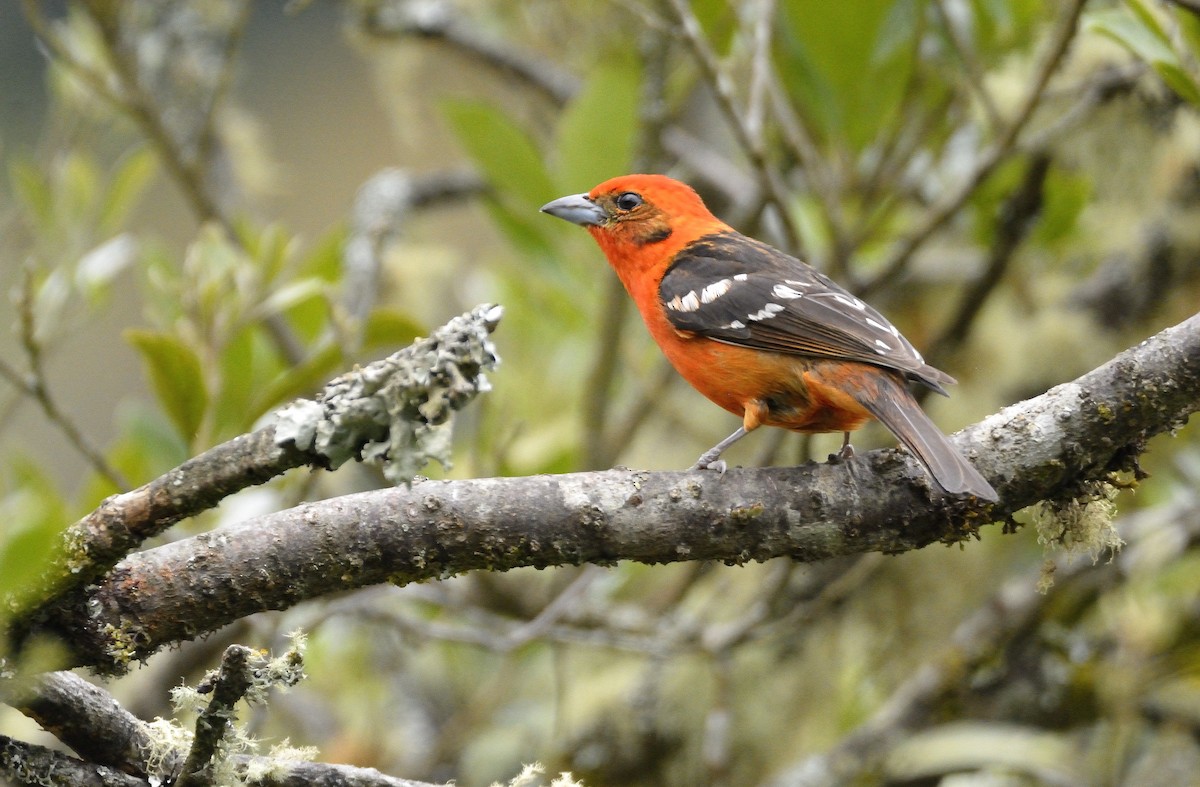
(737, 290)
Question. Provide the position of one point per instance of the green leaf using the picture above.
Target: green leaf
(177, 376)
(80, 185)
(148, 445)
(598, 130)
(288, 297)
(987, 199)
(1141, 34)
(244, 370)
(1066, 195)
(718, 21)
(527, 230)
(126, 187)
(503, 151)
(303, 379)
(391, 327)
(1000, 28)
(33, 515)
(847, 64)
(29, 184)
(50, 301)
(269, 247)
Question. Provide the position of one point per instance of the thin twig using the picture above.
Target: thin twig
(719, 81)
(1016, 219)
(230, 684)
(650, 400)
(597, 396)
(990, 158)
(1095, 91)
(760, 68)
(974, 73)
(36, 387)
(437, 20)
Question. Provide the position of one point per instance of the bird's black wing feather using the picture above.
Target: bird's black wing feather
(737, 290)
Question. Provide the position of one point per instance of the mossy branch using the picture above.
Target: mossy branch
(1052, 447)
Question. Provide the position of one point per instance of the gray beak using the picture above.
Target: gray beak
(577, 209)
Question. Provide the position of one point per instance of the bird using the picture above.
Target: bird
(760, 333)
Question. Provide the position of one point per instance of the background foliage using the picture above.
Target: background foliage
(1014, 183)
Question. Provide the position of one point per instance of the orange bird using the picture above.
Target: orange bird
(759, 332)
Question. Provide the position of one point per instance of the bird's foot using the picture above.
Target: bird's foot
(710, 461)
(846, 452)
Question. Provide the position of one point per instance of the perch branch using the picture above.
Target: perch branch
(1044, 448)
(390, 411)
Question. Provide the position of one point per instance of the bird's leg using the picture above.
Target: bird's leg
(847, 451)
(709, 459)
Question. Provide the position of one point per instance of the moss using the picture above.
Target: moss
(1083, 525)
(746, 515)
(122, 645)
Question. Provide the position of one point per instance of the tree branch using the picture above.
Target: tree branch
(439, 20)
(89, 720)
(228, 686)
(1043, 448)
(27, 763)
(83, 716)
(390, 412)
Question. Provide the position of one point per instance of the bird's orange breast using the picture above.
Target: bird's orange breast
(787, 391)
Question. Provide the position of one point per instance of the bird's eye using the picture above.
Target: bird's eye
(628, 201)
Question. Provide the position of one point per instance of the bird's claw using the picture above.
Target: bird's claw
(704, 463)
(846, 452)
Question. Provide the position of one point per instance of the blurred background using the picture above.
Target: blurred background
(209, 208)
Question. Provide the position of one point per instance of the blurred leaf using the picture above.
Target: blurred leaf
(1138, 31)
(304, 379)
(80, 185)
(49, 302)
(98, 267)
(309, 317)
(176, 374)
(147, 446)
(126, 187)
(1002, 26)
(986, 200)
(504, 152)
(243, 373)
(527, 230)
(391, 327)
(216, 280)
(325, 259)
(269, 247)
(1147, 17)
(1065, 196)
(846, 64)
(32, 514)
(718, 20)
(30, 186)
(289, 296)
(1189, 25)
(597, 132)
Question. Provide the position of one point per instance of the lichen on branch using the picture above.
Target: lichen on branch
(396, 412)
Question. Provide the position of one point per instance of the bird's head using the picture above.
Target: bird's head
(638, 216)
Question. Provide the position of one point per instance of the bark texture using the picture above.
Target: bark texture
(1053, 447)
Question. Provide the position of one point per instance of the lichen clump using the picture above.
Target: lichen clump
(1080, 526)
(396, 412)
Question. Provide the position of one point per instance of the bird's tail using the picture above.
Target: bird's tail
(894, 406)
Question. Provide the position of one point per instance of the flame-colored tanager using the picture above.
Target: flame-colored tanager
(759, 332)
